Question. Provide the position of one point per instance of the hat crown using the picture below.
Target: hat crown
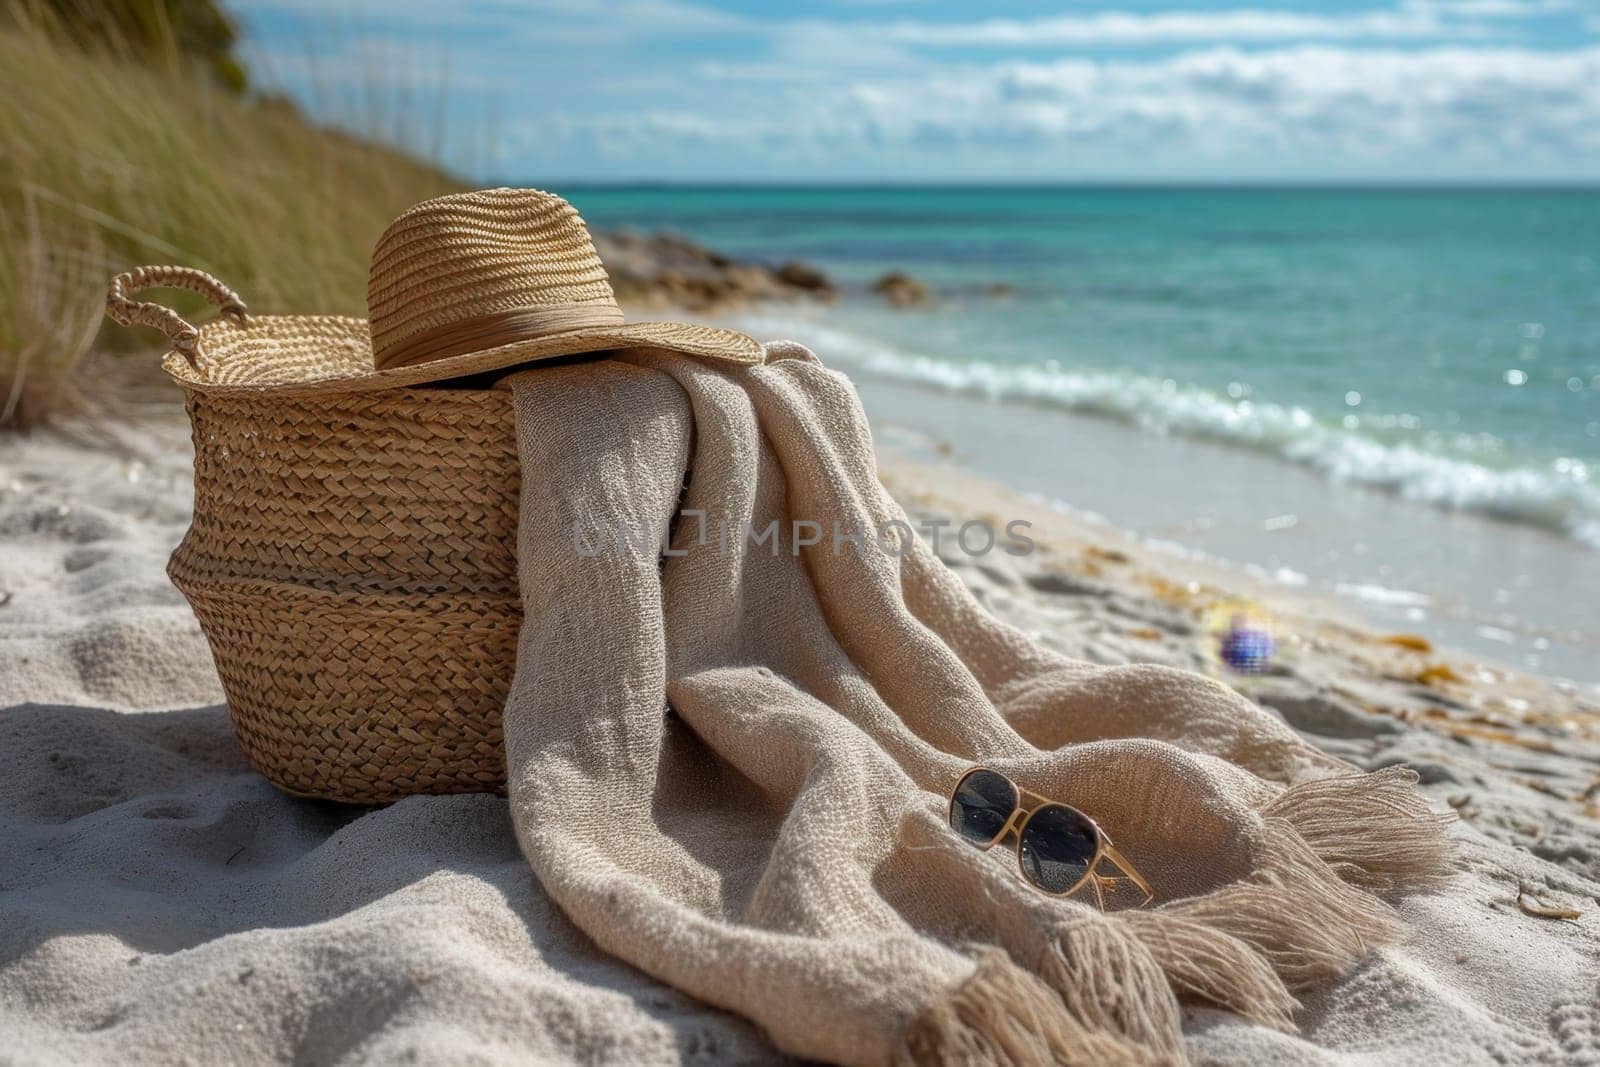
(470, 257)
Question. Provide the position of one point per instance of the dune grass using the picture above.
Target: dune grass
(107, 162)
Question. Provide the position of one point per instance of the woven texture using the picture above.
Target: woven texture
(474, 254)
(272, 350)
(460, 285)
(352, 563)
(352, 553)
(729, 765)
(124, 310)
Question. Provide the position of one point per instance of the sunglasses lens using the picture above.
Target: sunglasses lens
(1057, 846)
(983, 802)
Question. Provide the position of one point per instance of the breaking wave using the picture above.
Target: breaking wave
(1559, 496)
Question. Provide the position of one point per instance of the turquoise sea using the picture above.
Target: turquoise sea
(1439, 344)
(1389, 397)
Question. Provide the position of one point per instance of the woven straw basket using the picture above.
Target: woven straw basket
(353, 554)
(352, 561)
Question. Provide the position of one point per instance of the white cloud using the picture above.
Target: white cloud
(674, 87)
(1122, 27)
(1495, 9)
(1347, 107)
(614, 20)
(1409, 19)
(528, 21)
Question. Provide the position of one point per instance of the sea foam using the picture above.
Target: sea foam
(1559, 496)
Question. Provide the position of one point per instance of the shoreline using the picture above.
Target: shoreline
(1337, 665)
(1497, 590)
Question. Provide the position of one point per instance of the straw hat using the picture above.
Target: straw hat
(459, 285)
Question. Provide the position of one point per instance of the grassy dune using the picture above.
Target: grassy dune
(107, 163)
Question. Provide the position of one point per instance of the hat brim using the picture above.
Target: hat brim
(707, 342)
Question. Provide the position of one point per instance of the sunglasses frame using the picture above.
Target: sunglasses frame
(1104, 849)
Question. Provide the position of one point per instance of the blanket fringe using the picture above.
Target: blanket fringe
(1002, 1016)
(1311, 908)
(1111, 984)
(1109, 981)
(1208, 966)
(1375, 829)
(1296, 912)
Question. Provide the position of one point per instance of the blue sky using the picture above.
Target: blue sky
(902, 90)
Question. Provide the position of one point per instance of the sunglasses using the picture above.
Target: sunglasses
(1059, 848)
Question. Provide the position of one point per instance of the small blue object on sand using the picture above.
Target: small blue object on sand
(1245, 648)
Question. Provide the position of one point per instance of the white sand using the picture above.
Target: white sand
(156, 897)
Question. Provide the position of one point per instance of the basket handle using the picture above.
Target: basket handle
(124, 310)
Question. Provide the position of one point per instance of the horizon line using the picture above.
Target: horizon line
(1356, 184)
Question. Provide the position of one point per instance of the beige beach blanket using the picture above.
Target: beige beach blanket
(729, 764)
